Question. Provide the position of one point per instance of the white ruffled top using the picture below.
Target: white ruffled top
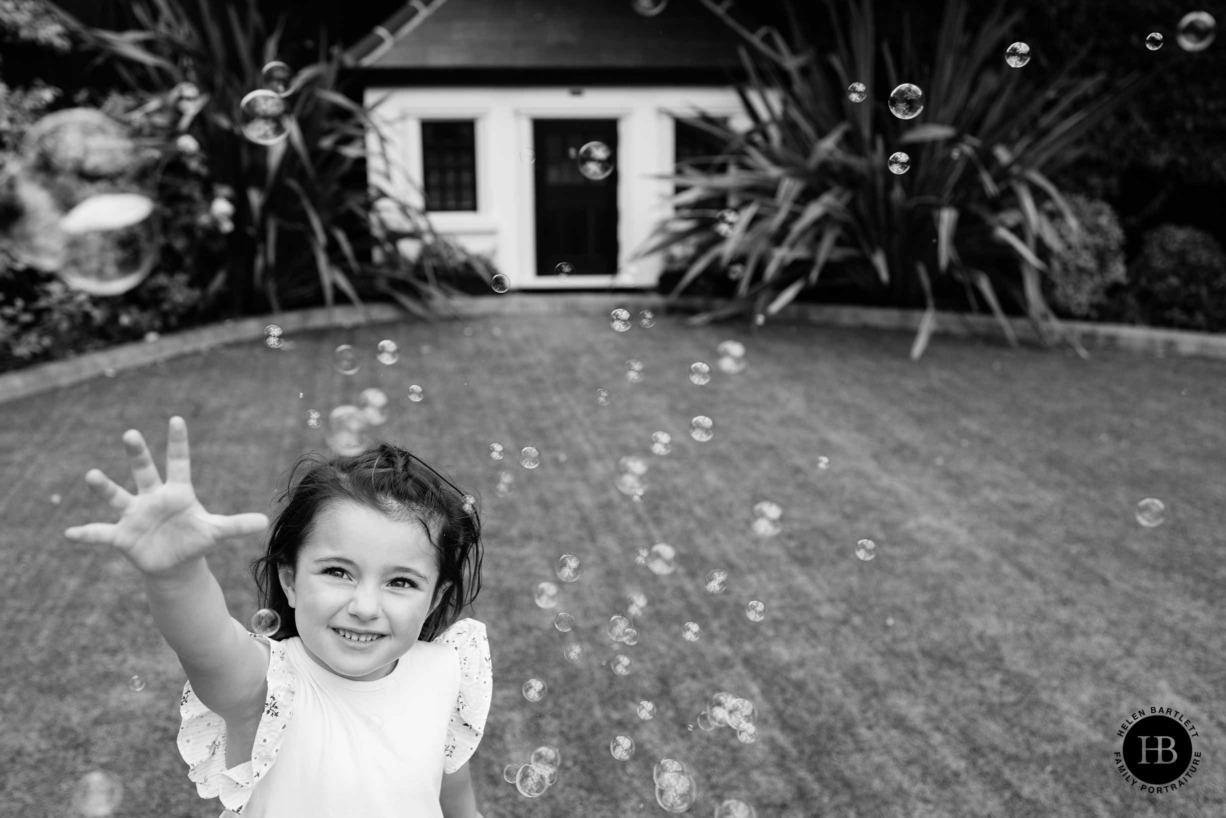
(327, 745)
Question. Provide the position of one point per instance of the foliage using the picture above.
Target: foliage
(1091, 258)
(1179, 280)
(32, 22)
(303, 220)
(809, 179)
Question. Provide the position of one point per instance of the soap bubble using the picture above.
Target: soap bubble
(510, 773)
(622, 747)
(731, 349)
(646, 710)
(568, 568)
(387, 353)
(532, 781)
(500, 283)
(97, 794)
(765, 527)
(823, 462)
(730, 365)
(595, 161)
(734, 808)
(647, 319)
(631, 485)
(573, 653)
(263, 117)
(1151, 512)
(496, 451)
(755, 610)
(660, 560)
(546, 595)
(529, 457)
(665, 767)
(136, 684)
(470, 504)
(346, 433)
(1196, 31)
(276, 77)
(691, 631)
(676, 792)
(621, 320)
(768, 509)
(906, 101)
(620, 664)
(648, 8)
(717, 581)
(640, 555)
(415, 393)
(564, 621)
(661, 443)
(373, 402)
(1017, 55)
(634, 371)
(105, 246)
(618, 626)
(866, 550)
(564, 268)
(637, 599)
(547, 757)
(265, 622)
(747, 734)
(345, 359)
(899, 163)
(700, 373)
(602, 397)
(1154, 41)
(857, 92)
(725, 221)
(700, 428)
(534, 690)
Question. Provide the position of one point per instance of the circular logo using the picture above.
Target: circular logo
(1157, 753)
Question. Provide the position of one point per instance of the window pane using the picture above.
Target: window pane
(449, 160)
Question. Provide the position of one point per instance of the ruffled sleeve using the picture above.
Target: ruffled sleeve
(202, 737)
(472, 706)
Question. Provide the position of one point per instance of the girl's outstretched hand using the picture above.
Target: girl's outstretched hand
(163, 525)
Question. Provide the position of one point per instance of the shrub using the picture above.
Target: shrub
(1091, 258)
(1178, 279)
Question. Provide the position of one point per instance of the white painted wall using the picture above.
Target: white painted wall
(504, 225)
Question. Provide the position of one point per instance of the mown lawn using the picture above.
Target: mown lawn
(980, 665)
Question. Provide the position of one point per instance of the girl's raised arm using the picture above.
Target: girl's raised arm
(165, 532)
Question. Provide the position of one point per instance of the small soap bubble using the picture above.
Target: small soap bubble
(1151, 512)
(906, 101)
(470, 504)
(648, 8)
(700, 373)
(823, 462)
(136, 684)
(717, 581)
(725, 221)
(532, 780)
(691, 632)
(345, 359)
(661, 559)
(415, 393)
(731, 349)
(97, 794)
(620, 665)
(734, 808)
(263, 117)
(265, 622)
(602, 397)
(704, 722)
(661, 443)
(866, 550)
(634, 371)
(276, 77)
(640, 555)
(899, 163)
(1154, 41)
(564, 268)
(546, 595)
(595, 161)
(765, 527)
(618, 625)
(500, 283)
(564, 621)
(56, 499)
(496, 451)
(546, 756)
(676, 792)
(730, 365)
(1196, 31)
(665, 767)
(768, 509)
(272, 331)
(631, 638)
(534, 690)
(631, 485)
(747, 734)
(346, 433)
(387, 353)
(857, 92)
(529, 457)
(647, 319)
(622, 748)
(510, 772)
(755, 611)
(646, 710)
(1017, 55)
(700, 428)
(573, 653)
(568, 568)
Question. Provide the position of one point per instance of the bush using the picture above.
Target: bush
(1179, 280)
(1090, 261)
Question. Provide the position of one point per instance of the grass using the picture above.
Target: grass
(980, 665)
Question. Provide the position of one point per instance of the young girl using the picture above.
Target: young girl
(372, 695)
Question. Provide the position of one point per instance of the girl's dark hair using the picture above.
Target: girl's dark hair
(391, 480)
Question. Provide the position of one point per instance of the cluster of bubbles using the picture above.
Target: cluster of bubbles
(535, 689)
(97, 794)
(538, 775)
(620, 319)
(630, 481)
(1151, 512)
(676, 790)
(866, 550)
(766, 514)
(727, 710)
(731, 357)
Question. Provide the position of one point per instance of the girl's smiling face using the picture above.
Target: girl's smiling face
(361, 574)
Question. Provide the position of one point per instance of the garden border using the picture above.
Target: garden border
(56, 374)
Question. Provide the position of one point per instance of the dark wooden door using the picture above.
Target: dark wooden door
(576, 217)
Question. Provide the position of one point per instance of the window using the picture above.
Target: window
(449, 165)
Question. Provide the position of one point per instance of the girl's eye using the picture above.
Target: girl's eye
(330, 570)
(408, 582)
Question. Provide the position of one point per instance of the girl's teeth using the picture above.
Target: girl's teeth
(355, 638)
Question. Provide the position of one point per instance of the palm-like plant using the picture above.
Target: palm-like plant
(811, 180)
(305, 219)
